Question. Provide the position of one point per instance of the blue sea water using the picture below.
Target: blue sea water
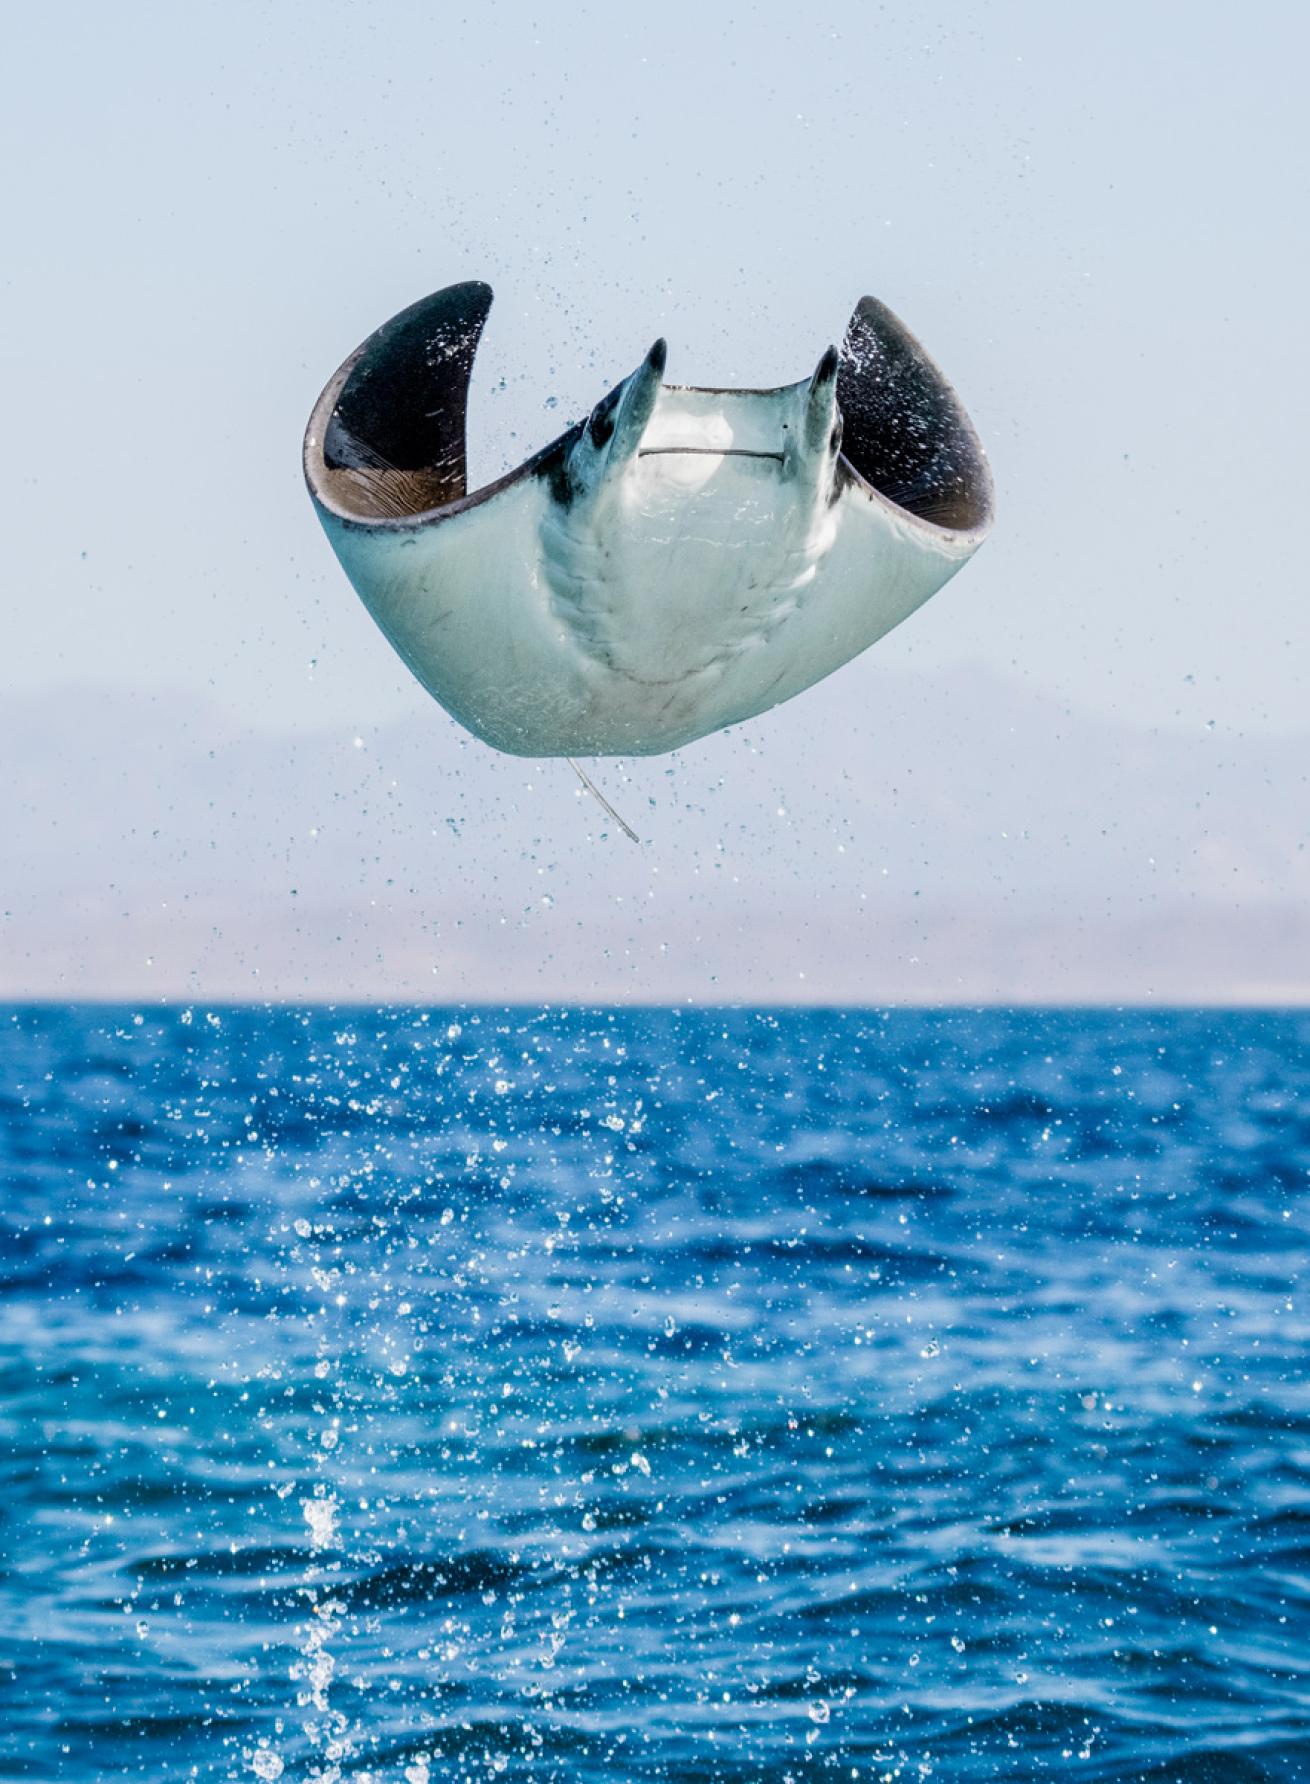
(452, 1395)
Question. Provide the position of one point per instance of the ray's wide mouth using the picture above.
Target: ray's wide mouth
(706, 452)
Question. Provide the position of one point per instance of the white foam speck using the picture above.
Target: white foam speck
(321, 1516)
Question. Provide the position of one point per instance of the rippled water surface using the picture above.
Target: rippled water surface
(428, 1395)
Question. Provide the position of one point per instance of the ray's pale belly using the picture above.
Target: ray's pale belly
(695, 560)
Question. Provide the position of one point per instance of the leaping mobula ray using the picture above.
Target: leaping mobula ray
(681, 560)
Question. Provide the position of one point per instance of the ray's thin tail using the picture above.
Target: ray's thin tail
(596, 794)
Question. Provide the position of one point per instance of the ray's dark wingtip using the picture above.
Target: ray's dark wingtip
(470, 297)
(826, 370)
(658, 356)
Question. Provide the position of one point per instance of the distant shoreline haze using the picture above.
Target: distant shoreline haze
(893, 837)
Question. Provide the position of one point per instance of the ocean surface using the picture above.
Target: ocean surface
(436, 1395)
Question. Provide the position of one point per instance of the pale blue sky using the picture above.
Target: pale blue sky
(1092, 215)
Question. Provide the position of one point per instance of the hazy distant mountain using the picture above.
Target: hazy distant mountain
(889, 836)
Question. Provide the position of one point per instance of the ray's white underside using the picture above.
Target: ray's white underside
(713, 557)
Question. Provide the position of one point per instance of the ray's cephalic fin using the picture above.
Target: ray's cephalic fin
(612, 432)
(815, 435)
